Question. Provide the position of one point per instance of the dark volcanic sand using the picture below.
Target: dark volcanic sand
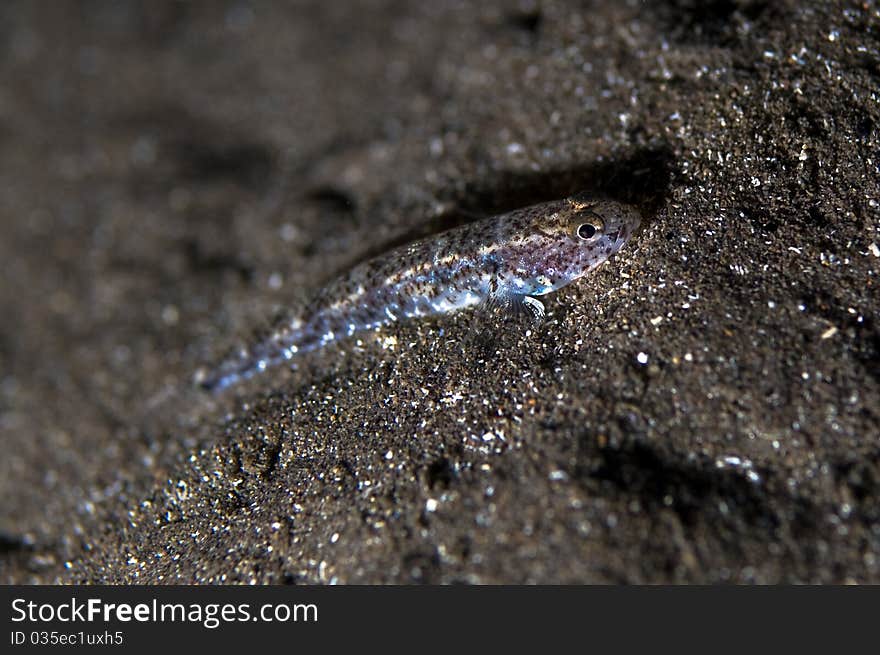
(705, 408)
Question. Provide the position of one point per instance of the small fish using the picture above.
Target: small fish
(504, 260)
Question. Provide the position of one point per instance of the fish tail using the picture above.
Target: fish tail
(248, 362)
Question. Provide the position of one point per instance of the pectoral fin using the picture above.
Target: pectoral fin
(535, 306)
(515, 304)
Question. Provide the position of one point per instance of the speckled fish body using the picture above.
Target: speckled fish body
(508, 259)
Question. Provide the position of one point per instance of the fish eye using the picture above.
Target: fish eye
(587, 231)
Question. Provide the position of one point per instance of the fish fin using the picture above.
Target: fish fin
(517, 304)
(502, 302)
(496, 304)
(535, 307)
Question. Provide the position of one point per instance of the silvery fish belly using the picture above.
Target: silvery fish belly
(507, 260)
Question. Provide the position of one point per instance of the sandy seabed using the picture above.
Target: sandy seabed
(704, 408)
